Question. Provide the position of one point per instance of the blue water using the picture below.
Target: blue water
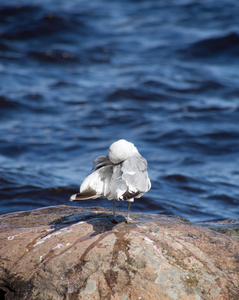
(77, 75)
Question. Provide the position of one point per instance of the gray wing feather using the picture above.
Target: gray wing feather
(135, 174)
(101, 161)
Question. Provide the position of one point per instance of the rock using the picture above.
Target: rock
(74, 253)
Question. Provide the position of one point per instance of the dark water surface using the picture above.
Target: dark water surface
(77, 75)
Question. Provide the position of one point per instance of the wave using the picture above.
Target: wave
(224, 45)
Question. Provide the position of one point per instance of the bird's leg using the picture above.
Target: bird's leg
(128, 218)
(114, 203)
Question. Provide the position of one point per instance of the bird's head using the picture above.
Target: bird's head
(121, 150)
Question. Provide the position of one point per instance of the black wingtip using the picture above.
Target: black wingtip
(89, 194)
(129, 195)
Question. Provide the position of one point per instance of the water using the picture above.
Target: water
(77, 75)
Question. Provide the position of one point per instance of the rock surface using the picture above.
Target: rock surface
(74, 253)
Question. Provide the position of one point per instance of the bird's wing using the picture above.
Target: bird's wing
(135, 175)
(97, 184)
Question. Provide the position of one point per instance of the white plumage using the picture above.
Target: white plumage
(122, 176)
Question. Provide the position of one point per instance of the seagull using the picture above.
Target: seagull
(121, 176)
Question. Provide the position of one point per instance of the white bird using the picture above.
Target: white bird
(122, 176)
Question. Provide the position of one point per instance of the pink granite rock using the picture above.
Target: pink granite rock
(75, 253)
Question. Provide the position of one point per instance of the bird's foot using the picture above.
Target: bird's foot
(115, 221)
(128, 220)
